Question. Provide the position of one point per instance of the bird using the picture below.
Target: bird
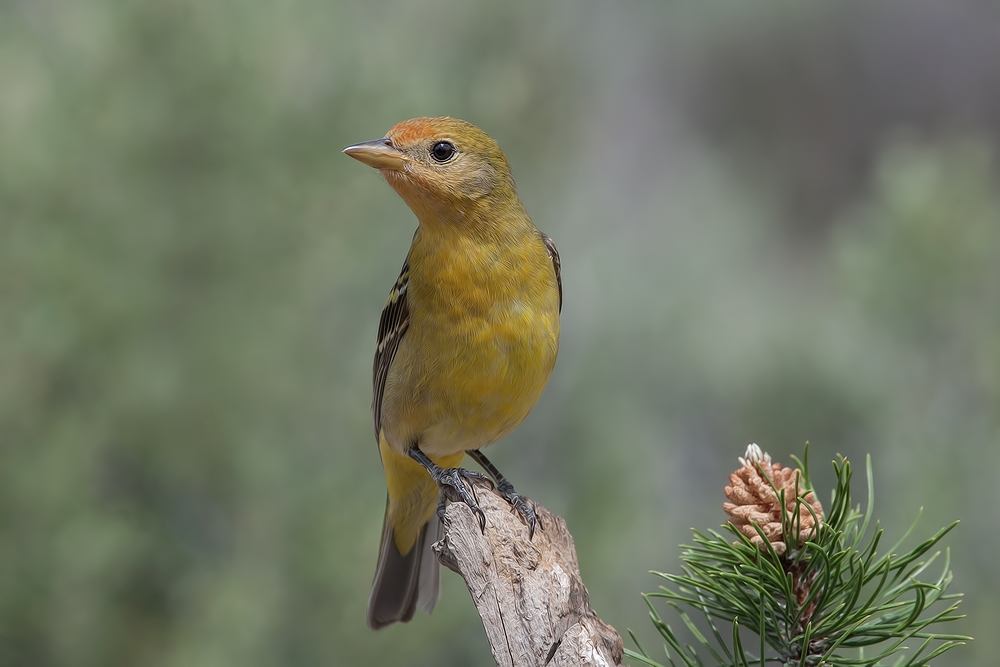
(467, 341)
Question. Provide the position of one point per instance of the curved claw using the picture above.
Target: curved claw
(506, 491)
(452, 483)
(527, 512)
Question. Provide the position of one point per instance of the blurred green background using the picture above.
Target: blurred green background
(778, 223)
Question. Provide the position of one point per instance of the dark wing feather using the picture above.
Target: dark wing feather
(556, 264)
(391, 327)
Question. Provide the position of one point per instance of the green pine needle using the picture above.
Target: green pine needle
(860, 608)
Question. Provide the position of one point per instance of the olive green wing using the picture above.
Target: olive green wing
(550, 246)
(393, 323)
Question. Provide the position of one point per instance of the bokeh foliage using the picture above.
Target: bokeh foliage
(191, 275)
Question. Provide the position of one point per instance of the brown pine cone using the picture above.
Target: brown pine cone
(752, 499)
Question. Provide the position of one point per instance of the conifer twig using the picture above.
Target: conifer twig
(813, 588)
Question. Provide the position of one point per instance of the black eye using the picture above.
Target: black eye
(443, 151)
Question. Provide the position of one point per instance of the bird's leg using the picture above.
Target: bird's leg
(451, 481)
(506, 490)
(442, 504)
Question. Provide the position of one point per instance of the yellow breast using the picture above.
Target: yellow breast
(481, 344)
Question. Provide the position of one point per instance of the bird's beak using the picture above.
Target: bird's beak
(379, 153)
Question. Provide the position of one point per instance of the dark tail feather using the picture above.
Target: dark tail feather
(404, 583)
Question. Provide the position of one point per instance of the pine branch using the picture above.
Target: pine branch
(812, 588)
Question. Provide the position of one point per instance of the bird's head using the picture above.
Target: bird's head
(439, 166)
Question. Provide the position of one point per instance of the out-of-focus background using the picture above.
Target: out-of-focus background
(777, 224)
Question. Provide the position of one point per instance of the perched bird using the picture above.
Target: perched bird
(466, 342)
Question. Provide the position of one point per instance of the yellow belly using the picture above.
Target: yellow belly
(474, 361)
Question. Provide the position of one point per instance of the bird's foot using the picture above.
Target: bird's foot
(452, 482)
(527, 512)
(506, 491)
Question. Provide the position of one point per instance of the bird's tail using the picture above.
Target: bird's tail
(406, 577)
(404, 582)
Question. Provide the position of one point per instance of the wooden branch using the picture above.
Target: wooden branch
(529, 595)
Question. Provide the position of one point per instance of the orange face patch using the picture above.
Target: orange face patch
(413, 131)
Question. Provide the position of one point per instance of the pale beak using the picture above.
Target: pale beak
(379, 153)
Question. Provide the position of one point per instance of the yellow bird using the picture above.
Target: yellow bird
(466, 342)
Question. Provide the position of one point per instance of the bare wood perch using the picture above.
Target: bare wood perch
(529, 594)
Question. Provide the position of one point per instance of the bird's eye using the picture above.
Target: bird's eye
(443, 151)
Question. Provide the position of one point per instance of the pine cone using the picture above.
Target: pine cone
(752, 499)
